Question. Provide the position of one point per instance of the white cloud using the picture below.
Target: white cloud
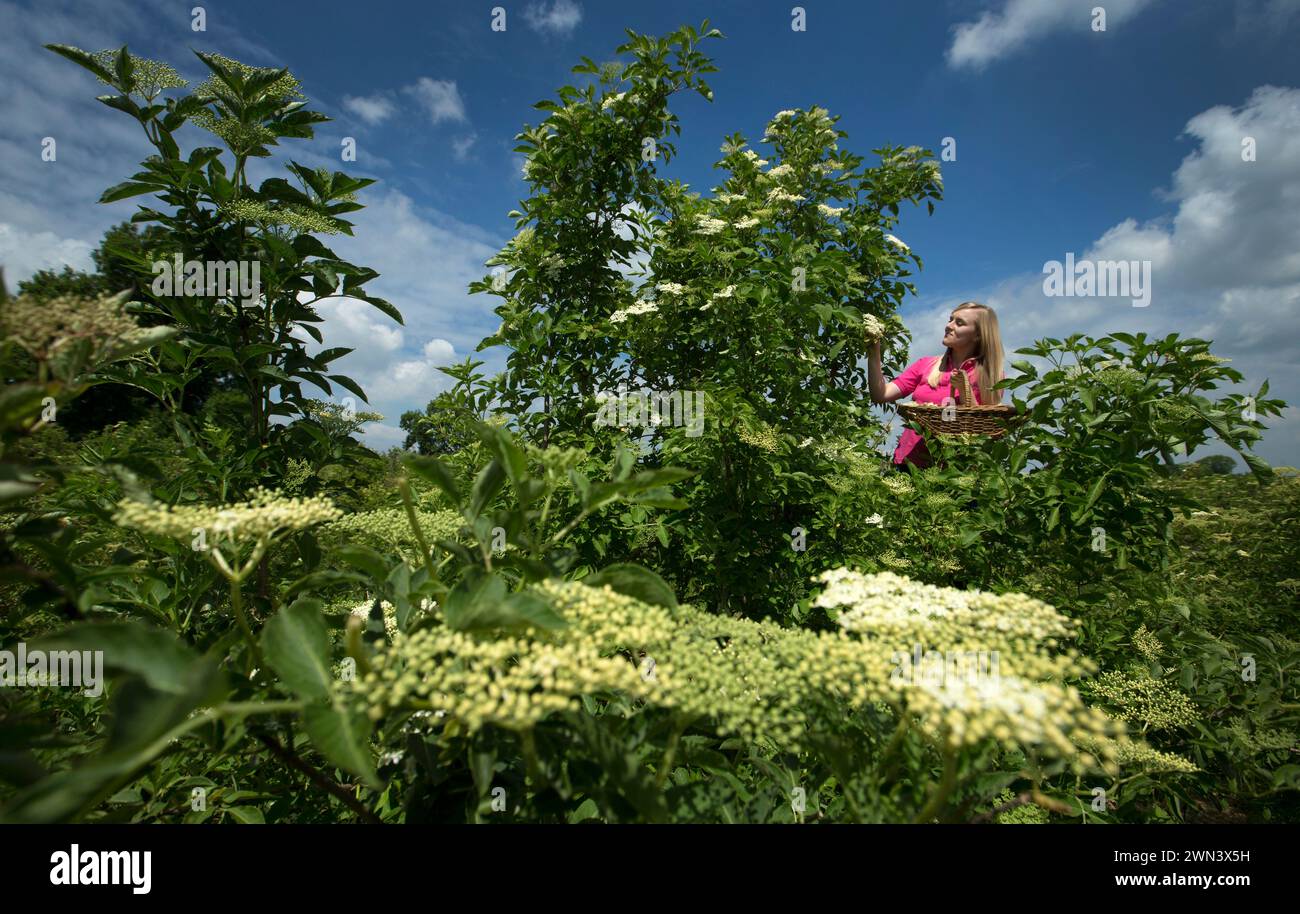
(1265, 17)
(461, 145)
(1019, 22)
(426, 260)
(23, 253)
(561, 18)
(373, 109)
(1225, 265)
(439, 97)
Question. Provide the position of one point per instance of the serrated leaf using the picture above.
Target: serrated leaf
(296, 645)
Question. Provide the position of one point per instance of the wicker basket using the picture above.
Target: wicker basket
(966, 418)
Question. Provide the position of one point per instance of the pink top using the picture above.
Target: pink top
(911, 446)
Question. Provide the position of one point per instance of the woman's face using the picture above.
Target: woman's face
(960, 331)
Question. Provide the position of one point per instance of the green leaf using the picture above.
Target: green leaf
(144, 723)
(246, 815)
(436, 472)
(503, 447)
(385, 306)
(635, 581)
(343, 736)
(364, 558)
(128, 189)
(155, 655)
(483, 605)
(83, 58)
(349, 384)
(296, 645)
(488, 483)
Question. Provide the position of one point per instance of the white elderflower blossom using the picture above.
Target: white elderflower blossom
(830, 210)
(612, 100)
(725, 293)
(748, 222)
(753, 157)
(264, 518)
(672, 288)
(897, 243)
(872, 327)
(708, 225)
(777, 195)
(730, 198)
(785, 168)
(874, 520)
(641, 307)
(755, 681)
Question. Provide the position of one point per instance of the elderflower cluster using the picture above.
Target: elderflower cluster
(47, 328)
(898, 485)
(1261, 739)
(390, 528)
(762, 436)
(777, 195)
(708, 225)
(830, 210)
(1144, 700)
(730, 198)
(1023, 702)
(785, 168)
(285, 88)
(1147, 644)
(151, 76)
(264, 514)
(753, 157)
(612, 101)
(873, 328)
(723, 293)
(300, 218)
(1175, 410)
(1027, 814)
(1119, 377)
(753, 680)
(672, 288)
(1134, 756)
(897, 243)
(748, 222)
(512, 682)
(641, 307)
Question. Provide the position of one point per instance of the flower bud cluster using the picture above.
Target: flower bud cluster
(389, 528)
(1137, 757)
(755, 680)
(266, 513)
(1144, 700)
(1025, 703)
(46, 328)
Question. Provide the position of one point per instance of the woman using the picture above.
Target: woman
(971, 340)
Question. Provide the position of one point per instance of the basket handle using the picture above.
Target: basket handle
(961, 387)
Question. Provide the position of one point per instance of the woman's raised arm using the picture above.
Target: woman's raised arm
(880, 391)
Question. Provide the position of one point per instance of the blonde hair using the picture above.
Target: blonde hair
(988, 353)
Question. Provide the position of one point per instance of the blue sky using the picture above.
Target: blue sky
(1123, 143)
